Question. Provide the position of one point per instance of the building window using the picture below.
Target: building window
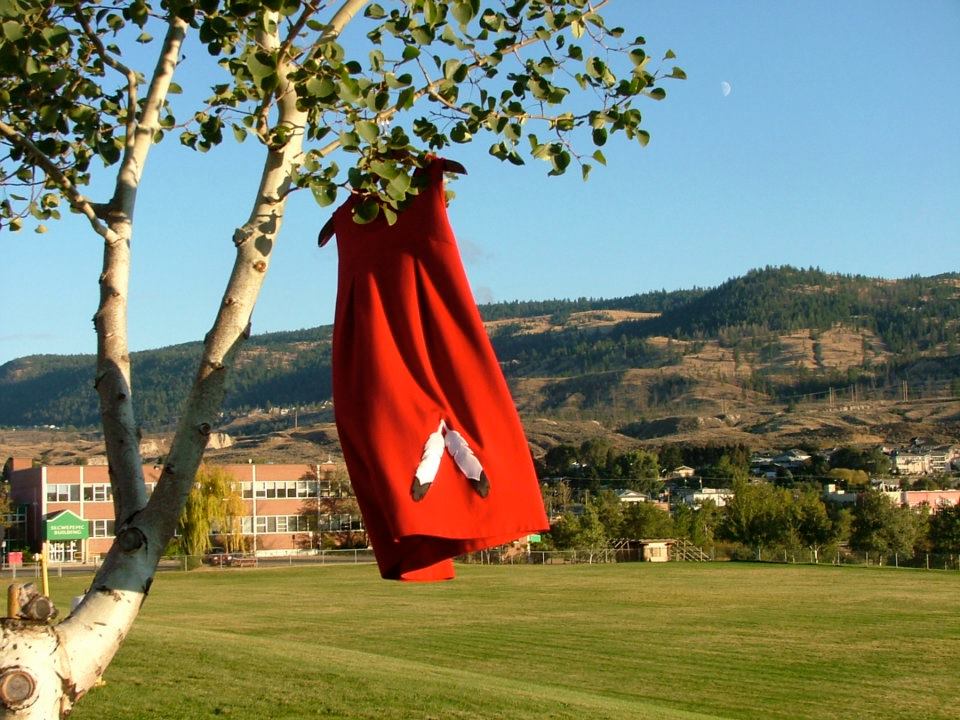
(101, 528)
(63, 493)
(274, 489)
(267, 524)
(97, 493)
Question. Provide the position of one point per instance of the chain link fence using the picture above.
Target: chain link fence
(509, 555)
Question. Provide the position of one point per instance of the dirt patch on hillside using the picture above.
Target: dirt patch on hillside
(580, 320)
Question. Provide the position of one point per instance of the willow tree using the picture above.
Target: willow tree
(213, 505)
(548, 80)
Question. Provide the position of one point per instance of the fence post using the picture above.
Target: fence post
(928, 561)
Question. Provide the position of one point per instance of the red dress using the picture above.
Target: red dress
(419, 397)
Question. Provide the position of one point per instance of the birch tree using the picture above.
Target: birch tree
(543, 80)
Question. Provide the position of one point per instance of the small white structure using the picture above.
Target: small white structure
(695, 497)
(655, 550)
(632, 496)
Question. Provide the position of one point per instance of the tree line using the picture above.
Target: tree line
(762, 520)
(788, 513)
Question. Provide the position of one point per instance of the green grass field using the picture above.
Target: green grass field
(671, 641)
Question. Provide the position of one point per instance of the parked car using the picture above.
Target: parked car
(217, 556)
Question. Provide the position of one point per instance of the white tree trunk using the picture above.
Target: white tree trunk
(44, 668)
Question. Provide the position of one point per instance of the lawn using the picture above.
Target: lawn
(671, 641)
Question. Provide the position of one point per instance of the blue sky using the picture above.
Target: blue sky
(837, 146)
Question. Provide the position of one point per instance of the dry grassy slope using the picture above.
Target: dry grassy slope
(711, 409)
(761, 428)
(711, 368)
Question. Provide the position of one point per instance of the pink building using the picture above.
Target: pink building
(935, 499)
(287, 507)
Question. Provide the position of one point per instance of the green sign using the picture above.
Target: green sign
(66, 525)
(534, 538)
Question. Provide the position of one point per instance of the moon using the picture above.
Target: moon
(725, 88)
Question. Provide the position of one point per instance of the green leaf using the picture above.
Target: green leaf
(375, 12)
(657, 94)
(455, 71)
(460, 134)
(324, 193)
(386, 170)
(405, 98)
(433, 12)
(398, 187)
(541, 152)
(239, 133)
(561, 161)
(349, 90)
(599, 157)
(262, 69)
(670, 55)
(144, 38)
(367, 130)
(12, 30)
(366, 211)
(643, 137)
(678, 74)
(599, 136)
(411, 52)
(585, 171)
(465, 10)
(320, 87)
(349, 140)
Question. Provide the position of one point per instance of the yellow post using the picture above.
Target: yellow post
(13, 600)
(44, 579)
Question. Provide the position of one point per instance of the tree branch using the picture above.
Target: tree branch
(77, 200)
(113, 385)
(135, 155)
(108, 59)
(342, 18)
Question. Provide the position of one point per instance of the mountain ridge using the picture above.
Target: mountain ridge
(770, 336)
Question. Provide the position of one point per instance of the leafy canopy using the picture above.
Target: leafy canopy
(545, 79)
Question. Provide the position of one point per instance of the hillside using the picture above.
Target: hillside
(849, 357)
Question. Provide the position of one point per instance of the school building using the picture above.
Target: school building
(288, 508)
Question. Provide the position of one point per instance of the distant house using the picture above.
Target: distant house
(632, 496)
(682, 471)
(763, 466)
(837, 497)
(791, 460)
(695, 497)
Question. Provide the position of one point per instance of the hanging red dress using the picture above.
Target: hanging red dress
(431, 437)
